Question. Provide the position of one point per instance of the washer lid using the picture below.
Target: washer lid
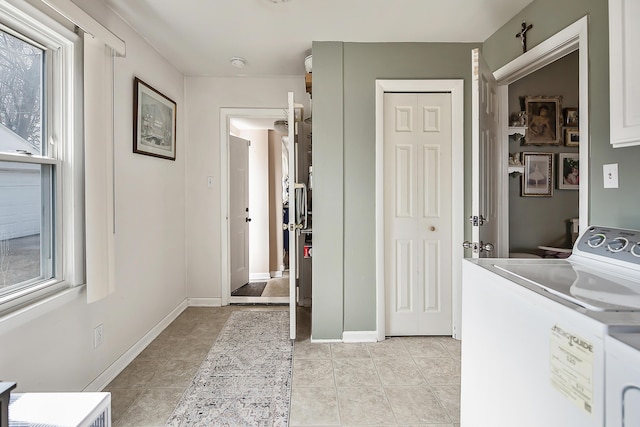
(591, 289)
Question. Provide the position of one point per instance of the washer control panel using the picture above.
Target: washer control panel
(612, 243)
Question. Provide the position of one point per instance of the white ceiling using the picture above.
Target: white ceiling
(201, 36)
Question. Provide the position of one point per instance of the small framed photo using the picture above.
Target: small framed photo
(154, 122)
(572, 137)
(544, 120)
(571, 117)
(537, 179)
(569, 171)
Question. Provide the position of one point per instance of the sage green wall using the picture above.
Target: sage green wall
(613, 207)
(351, 140)
(328, 205)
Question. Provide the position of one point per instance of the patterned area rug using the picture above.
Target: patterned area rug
(245, 379)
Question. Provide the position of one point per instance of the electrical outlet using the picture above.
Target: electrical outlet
(98, 335)
(610, 173)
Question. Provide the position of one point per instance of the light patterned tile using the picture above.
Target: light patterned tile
(314, 406)
(439, 370)
(413, 405)
(364, 405)
(313, 373)
(453, 347)
(355, 372)
(398, 372)
(121, 401)
(387, 349)
(175, 373)
(137, 374)
(449, 397)
(152, 408)
(425, 347)
(349, 350)
(309, 350)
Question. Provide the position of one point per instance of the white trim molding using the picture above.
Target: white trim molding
(572, 38)
(359, 336)
(204, 302)
(456, 88)
(123, 361)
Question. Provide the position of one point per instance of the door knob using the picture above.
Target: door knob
(432, 228)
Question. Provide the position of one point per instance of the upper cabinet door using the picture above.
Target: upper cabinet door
(624, 72)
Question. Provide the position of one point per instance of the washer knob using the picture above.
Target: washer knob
(635, 250)
(617, 244)
(596, 240)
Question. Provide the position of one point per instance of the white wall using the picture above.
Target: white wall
(51, 347)
(205, 97)
(258, 203)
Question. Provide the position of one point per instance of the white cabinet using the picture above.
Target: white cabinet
(624, 72)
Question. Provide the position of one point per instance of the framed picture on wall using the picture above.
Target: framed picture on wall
(571, 117)
(154, 122)
(537, 179)
(572, 137)
(569, 171)
(544, 120)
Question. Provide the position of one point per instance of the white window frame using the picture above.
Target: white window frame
(63, 137)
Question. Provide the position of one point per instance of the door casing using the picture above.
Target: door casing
(572, 38)
(456, 88)
(225, 127)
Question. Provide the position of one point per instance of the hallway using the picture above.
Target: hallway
(401, 381)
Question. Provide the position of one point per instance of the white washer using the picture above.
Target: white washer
(534, 332)
(623, 380)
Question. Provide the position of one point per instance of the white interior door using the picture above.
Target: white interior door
(417, 213)
(293, 226)
(239, 211)
(484, 154)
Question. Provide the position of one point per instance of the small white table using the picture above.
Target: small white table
(60, 409)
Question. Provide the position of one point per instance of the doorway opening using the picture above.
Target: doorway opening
(565, 53)
(267, 181)
(265, 280)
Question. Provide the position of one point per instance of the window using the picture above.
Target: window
(38, 158)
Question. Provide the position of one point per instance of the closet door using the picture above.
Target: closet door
(417, 211)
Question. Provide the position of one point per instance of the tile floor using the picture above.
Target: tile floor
(400, 381)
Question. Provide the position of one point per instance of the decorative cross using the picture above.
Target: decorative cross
(523, 35)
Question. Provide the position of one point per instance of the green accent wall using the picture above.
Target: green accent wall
(612, 207)
(344, 151)
(344, 294)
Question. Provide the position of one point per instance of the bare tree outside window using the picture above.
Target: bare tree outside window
(21, 88)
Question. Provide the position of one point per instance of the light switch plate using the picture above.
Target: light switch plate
(610, 175)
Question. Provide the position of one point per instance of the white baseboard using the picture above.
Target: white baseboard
(259, 300)
(324, 341)
(259, 277)
(359, 336)
(204, 302)
(276, 274)
(123, 361)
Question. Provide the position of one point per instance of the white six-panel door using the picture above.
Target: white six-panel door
(417, 212)
(239, 211)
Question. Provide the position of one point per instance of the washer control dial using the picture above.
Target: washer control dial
(596, 240)
(635, 250)
(617, 244)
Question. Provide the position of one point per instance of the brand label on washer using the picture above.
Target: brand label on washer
(572, 367)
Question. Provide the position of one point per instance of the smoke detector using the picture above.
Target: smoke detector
(238, 62)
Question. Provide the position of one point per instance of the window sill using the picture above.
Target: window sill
(20, 316)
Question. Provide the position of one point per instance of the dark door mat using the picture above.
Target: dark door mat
(250, 290)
